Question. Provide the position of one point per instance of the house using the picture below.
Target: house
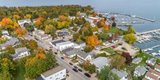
(123, 75)
(5, 34)
(57, 73)
(137, 60)
(157, 67)
(140, 71)
(20, 53)
(22, 22)
(62, 44)
(11, 42)
(71, 52)
(80, 45)
(40, 35)
(151, 61)
(150, 76)
(100, 62)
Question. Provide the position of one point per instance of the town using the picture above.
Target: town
(70, 42)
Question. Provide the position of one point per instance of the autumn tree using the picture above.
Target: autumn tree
(32, 44)
(49, 29)
(20, 32)
(39, 63)
(118, 61)
(92, 41)
(38, 23)
(6, 21)
(88, 66)
(10, 49)
(130, 38)
(6, 69)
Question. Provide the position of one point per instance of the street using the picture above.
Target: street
(72, 75)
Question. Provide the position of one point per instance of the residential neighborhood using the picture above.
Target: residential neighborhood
(70, 42)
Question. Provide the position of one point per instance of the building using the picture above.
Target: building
(136, 60)
(140, 71)
(157, 68)
(80, 45)
(11, 42)
(20, 53)
(71, 52)
(22, 22)
(123, 75)
(62, 44)
(151, 61)
(100, 62)
(40, 35)
(58, 73)
(5, 34)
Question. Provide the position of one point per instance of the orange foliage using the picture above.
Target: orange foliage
(6, 21)
(92, 40)
(40, 56)
(106, 27)
(20, 32)
(62, 18)
(39, 21)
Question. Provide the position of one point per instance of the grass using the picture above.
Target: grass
(20, 71)
(109, 50)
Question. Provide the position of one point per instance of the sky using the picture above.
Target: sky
(40, 2)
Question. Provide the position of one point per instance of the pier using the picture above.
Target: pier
(127, 19)
(147, 32)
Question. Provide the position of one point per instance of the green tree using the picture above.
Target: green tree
(106, 74)
(10, 49)
(130, 30)
(130, 38)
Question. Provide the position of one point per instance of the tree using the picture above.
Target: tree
(6, 21)
(10, 49)
(130, 30)
(118, 61)
(39, 63)
(106, 74)
(92, 41)
(20, 32)
(6, 69)
(89, 67)
(49, 29)
(130, 38)
(28, 16)
(32, 44)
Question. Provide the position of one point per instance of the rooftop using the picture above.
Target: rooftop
(52, 71)
(12, 41)
(120, 73)
(19, 51)
(58, 41)
(100, 62)
(141, 69)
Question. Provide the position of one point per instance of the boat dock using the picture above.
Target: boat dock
(147, 32)
(126, 19)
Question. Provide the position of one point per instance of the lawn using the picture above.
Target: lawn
(20, 71)
(109, 50)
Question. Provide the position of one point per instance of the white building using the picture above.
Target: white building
(40, 35)
(22, 22)
(21, 53)
(57, 73)
(11, 42)
(80, 45)
(5, 34)
(100, 62)
(62, 45)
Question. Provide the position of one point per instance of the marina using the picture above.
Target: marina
(149, 41)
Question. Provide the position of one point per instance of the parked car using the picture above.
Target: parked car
(80, 70)
(88, 75)
(75, 67)
(75, 70)
(70, 63)
(62, 57)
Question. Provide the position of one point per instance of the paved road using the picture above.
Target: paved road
(73, 75)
